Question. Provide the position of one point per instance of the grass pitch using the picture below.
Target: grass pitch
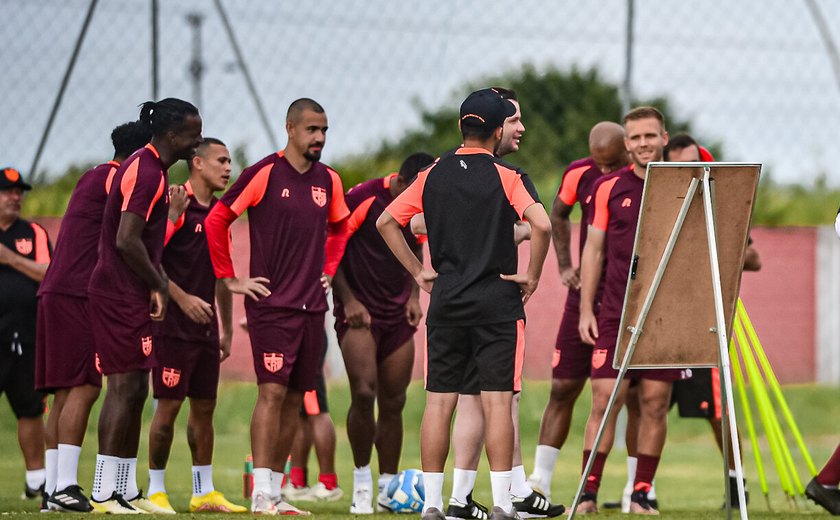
(689, 481)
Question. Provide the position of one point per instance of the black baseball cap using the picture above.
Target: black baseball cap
(486, 109)
(11, 179)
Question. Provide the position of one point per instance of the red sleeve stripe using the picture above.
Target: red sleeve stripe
(409, 202)
(172, 228)
(358, 216)
(158, 194)
(129, 179)
(42, 244)
(110, 178)
(515, 190)
(338, 207)
(601, 217)
(216, 229)
(568, 187)
(253, 192)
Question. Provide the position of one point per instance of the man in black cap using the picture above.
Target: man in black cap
(471, 201)
(25, 252)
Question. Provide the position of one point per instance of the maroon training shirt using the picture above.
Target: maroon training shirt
(378, 280)
(76, 247)
(142, 182)
(186, 260)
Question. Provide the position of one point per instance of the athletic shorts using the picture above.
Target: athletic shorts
(185, 369)
(287, 346)
(572, 357)
(389, 334)
(64, 350)
(315, 401)
(604, 352)
(17, 381)
(698, 395)
(122, 334)
(496, 349)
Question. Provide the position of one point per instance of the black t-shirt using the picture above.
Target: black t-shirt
(18, 292)
(471, 201)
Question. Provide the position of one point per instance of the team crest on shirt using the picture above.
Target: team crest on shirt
(146, 343)
(555, 359)
(170, 377)
(96, 363)
(599, 357)
(273, 362)
(23, 245)
(319, 195)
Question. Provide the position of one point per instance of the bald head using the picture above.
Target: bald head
(606, 145)
(298, 106)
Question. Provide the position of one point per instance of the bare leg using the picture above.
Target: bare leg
(557, 417)
(200, 435)
(122, 410)
(394, 375)
(32, 443)
(359, 351)
(162, 431)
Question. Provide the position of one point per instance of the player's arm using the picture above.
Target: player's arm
(134, 254)
(391, 232)
(418, 224)
(178, 202)
(29, 268)
(224, 302)
(413, 311)
(561, 234)
(338, 229)
(355, 313)
(521, 232)
(194, 307)
(591, 266)
(540, 237)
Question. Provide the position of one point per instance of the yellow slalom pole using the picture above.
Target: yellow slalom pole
(748, 416)
(765, 411)
(776, 388)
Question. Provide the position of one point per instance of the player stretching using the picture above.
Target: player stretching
(377, 310)
(294, 202)
(127, 276)
(65, 359)
(471, 201)
(189, 345)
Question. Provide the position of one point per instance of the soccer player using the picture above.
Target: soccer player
(65, 359)
(377, 310)
(25, 252)
(128, 290)
(294, 203)
(572, 360)
(190, 346)
(822, 489)
(611, 233)
(471, 201)
(468, 430)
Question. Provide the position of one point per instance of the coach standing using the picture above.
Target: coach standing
(24, 255)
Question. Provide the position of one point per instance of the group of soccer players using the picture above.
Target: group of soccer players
(142, 276)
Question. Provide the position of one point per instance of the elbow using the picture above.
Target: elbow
(382, 221)
(540, 225)
(123, 246)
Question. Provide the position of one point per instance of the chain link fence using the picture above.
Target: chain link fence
(754, 75)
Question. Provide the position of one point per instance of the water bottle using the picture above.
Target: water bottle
(248, 477)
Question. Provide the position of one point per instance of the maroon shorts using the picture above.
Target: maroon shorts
(185, 369)
(572, 357)
(122, 332)
(389, 334)
(604, 352)
(64, 350)
(287, 346)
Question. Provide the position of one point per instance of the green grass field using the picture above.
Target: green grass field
(689, 481)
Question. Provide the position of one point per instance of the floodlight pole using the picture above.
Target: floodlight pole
(636, 331)
(728, 417)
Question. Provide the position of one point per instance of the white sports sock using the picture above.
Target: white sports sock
(68, 465)
(105, 477)
(652, 492)
(202, 480)
(262, 481)
(384, 480)
(544, 461)
(36, 478)
(519, 483)
(632, 462)
(433, 482)
(500, 485)
(156, 481)
(463, 481)
(362, 477)
(51, 465)
(276, 485)
(128, 472)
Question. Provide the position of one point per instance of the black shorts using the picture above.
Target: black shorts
(496, 350)
(315, 401)
(699, 395)
(17, 380)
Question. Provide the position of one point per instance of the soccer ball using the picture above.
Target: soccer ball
(406, 493)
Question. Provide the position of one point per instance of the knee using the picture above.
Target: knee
(655, 409)
(202, 409)
(271, 394)
(132, 389)
(162, 431)
(364, 398)
(392, 405)
(564, 393)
